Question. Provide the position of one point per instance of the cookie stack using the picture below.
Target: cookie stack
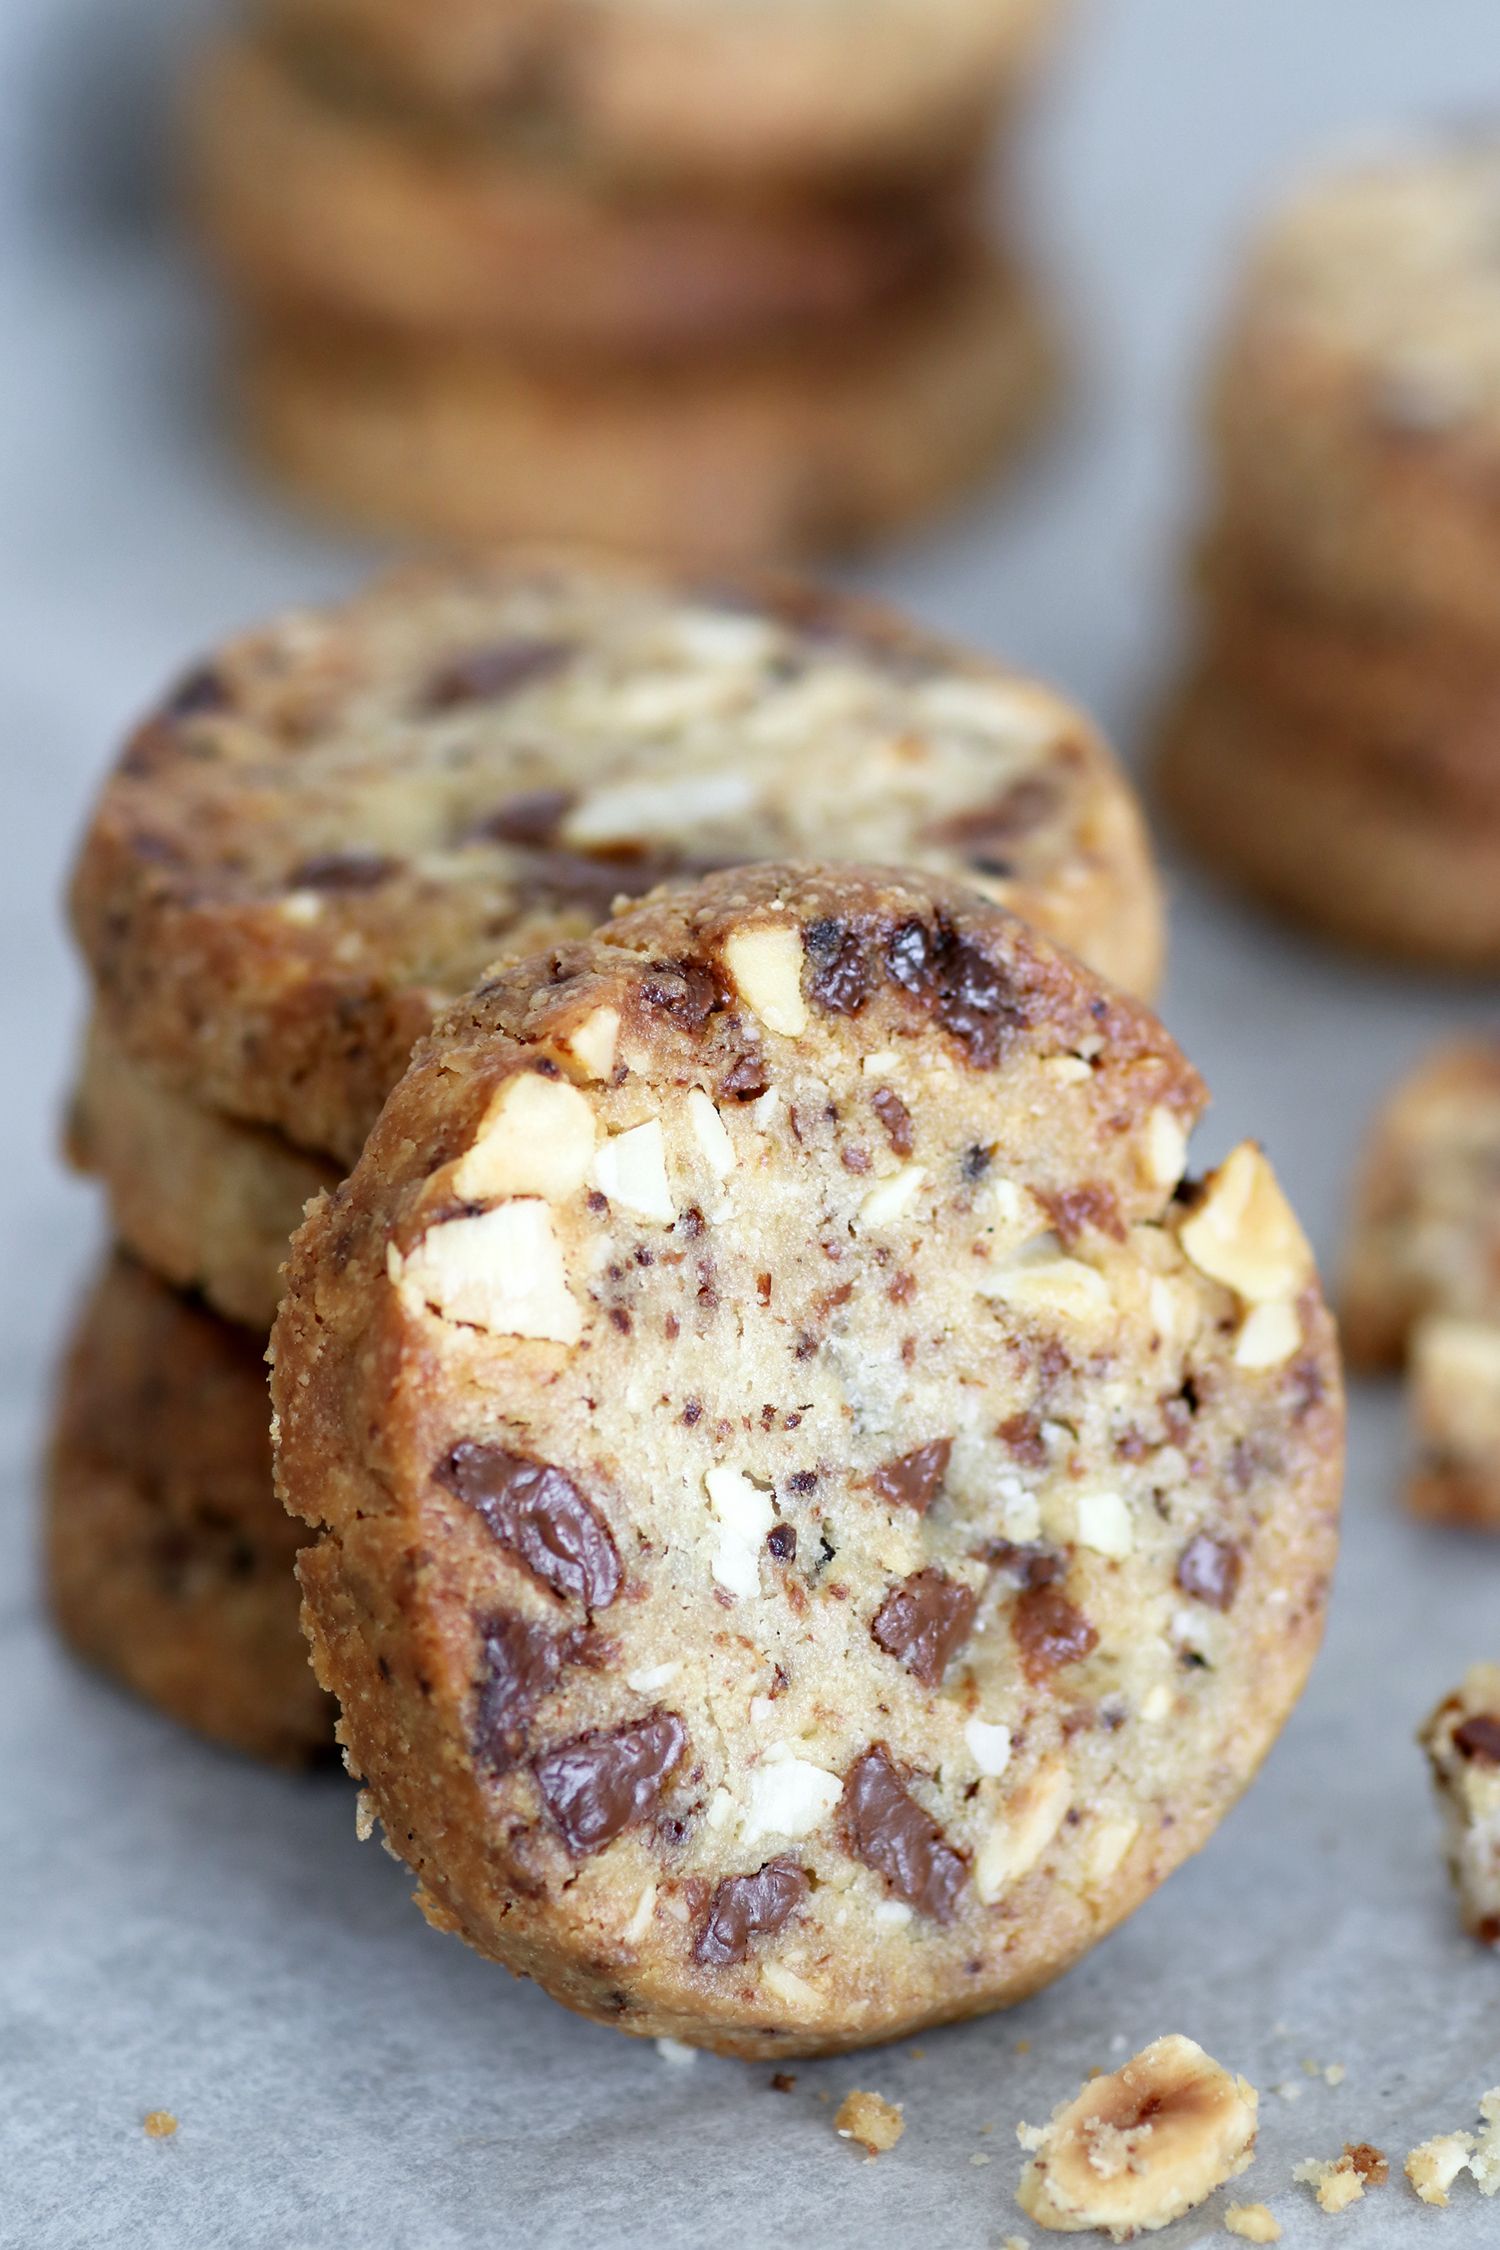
(1338, 751)
(712, 280)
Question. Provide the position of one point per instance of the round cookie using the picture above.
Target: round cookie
(313, 198)
(169, 1557)
(813, 1517)
(816, 445)
(1357, 404)
(696, 93)
(1360, 850)
(336, 824)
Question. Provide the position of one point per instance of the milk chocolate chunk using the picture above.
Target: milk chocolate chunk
(914, 1480)
(964, 989)
(539, 1515)
(1209, 1569)
(745, 1907)
(485, 675)
(342, 871)
(885, 1827)
(1479, 1738)
(923, 1621)
(895, 1117)
(521, 1662)
(1050, 1631)
(840, 977)
(530, 817)
(598, 1785)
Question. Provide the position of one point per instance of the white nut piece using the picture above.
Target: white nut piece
(631, 810)
(1017, 1841)
(988, 1745)
(1166, 1148)
(631, 1169)
(1244, 1233)
(765, 964)
(1111, 1841)
(889, 1197)
(711, 1133)
(789, 1796)
(1269, 1334)
(1140, 2146)
(537, 1138)
(1049, 1288)
(744, 1514)
(500, 1270)
(593, 1042)
(1105, 1524)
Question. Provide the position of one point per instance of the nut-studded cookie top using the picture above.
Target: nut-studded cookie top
(335, 824)
(815, 1518)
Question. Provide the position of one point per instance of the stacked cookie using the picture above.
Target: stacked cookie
(1338, 751)
(710, 280)
(809, 1516)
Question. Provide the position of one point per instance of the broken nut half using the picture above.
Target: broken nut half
(500, 1270)
(1141, 2145)
(765, 964)
(1243, 1232)
(537, 1138)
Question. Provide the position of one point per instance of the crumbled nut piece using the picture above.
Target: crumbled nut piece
(1166, 1148)
(791, 1990)
(711, 1134)
(766, 966)
(869, 2119)
(1433, 2167)
(1142, 2144)
(673, 2051)
(1269, 1334)
(158, 2124)
(500, 1270)
(1031, 1819)
(631, 1169)
(789, 1797)
(1104, 1523)
(989, 1746)
(1342, 2179)
(591, 1045)
(537, 1138)
(1252, 2222)
(888, 1198)
(1242, 1231)
(1111, 1842)
(744, 1513)
(364, 1816)
(1064, 1288)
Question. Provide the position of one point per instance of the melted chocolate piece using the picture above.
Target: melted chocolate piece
(914, 1480)
(598, 1785)
(923, 1622)
(1032, 1565)
(688, 991)
(342, 871)
(781, 1541)
(1074, 1210)
(746, 1907)
(488, 675)
(1049, 1631)
(840, 977)
(895, 1117)
(521, 1664)
(745, 1080)
(539, 1515)
(197, 692)
(962, 987)
(1209, 1570)
(530, 818)
(886, 1829)
(1021, 1433)
(984, 831)
(1479, 1738)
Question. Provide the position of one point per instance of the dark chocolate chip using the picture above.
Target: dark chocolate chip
(1049, 1631)
(746, 1907)
(886, 1829)
(963, 988)
(745, 1080)
(1075, 1211)
(895, 1117)
(521, 1662)
(342, 871)
(914, 1480)
(974, 1163)
(539, 1515)
(530, 818)
(598, 1785)
(1015, 813)
(488, 674)
(1209, 1570)
(923, 1622)
(781, 1540)
(197, 692)
(688, 991)
(1479, 1738)
(839, 975)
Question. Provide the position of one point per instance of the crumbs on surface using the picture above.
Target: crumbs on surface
(869, 2119)
(158, 2124)
(1252, 2222)
(1433, 2167)
(1342, 2180)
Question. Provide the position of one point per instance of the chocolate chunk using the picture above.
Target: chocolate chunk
(540, 1516)
(746, 1907)
(781, 1541)
(840, 977)
(530, 818)
(961, 986)
(886, 1829)
(1076, 1210)
(914, 1480)
(923, 1622)
(1049, 1631)
(342, 871)
(1030, 1565)
(521, 1662)
(487, 675)
(895, 1117)
(1479, 1738)
(1209, 1570)
(745, 1080)
(974, 1163)
(688, 991)
(1022, 1434)
(197, 692)
(985, 830)
(598, 1785)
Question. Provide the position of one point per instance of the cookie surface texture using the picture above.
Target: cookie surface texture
(813, 1520)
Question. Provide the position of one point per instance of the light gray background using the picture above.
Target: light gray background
(178, 1929)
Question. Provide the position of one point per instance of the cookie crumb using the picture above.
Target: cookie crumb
(869, 2119)
(675, 2052)
(978, 2158)
(1287, 2090)
(1433, 2167)
(1252, 2222)
(783, 2081)
(1342, 2180)
(158, 2124)
(364, 1816)
(1334, 2074)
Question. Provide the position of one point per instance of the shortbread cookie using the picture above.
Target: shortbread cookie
(657, 88)
(1424, 1235)
(1357, 407)
(1455, 1405)
(814, 1519)
(169, 1558)
(1355, 851)
(815, 446)
(337, 823)
(208, 1204)
(309, 197)
(1462, 1741)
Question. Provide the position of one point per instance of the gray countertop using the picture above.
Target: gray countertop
(183, 1931)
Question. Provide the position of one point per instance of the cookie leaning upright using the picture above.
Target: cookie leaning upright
(814, 1519)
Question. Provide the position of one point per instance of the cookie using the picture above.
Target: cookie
(1462, 1741)
(1357, 852)
(208, 1204)
(813, 1518)
(1357, 402)
(700, 93)
(815, 446)
(1424, 1233)
(1455, 1405)
(336, 823)
(310, 197)
(169, 1559)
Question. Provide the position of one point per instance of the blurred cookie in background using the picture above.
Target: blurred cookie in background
(1338, 752)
